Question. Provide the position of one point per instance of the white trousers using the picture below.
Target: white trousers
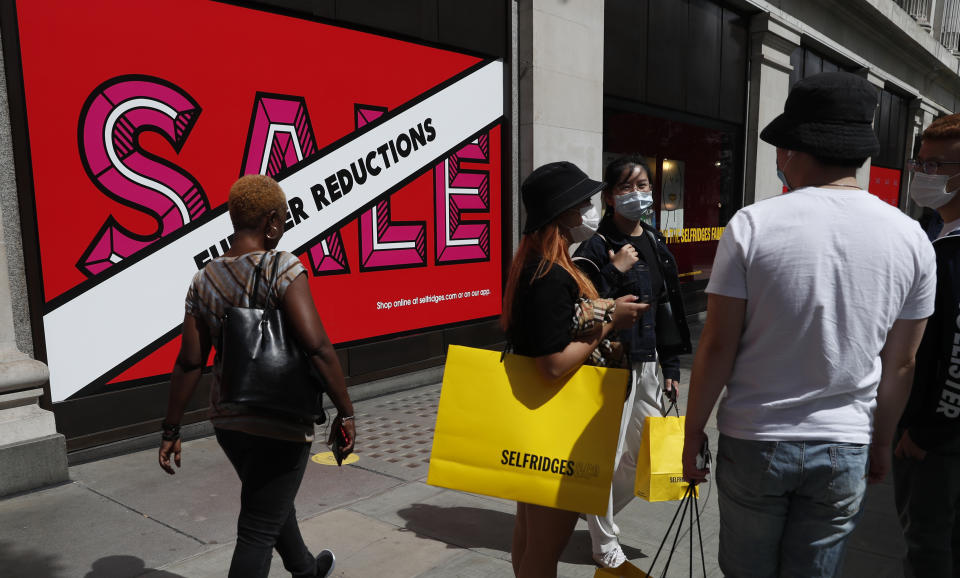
(646, 399)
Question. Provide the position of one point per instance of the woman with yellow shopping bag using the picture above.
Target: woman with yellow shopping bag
(541, 297)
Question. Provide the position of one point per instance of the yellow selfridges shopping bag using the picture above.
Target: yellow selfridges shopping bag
(504, 431)
(660, 462)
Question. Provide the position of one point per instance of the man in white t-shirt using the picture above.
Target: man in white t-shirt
(816, 305)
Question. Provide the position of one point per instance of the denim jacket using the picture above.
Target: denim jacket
(932, 414)
(641, 339)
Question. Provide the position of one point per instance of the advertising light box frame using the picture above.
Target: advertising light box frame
(392, 152)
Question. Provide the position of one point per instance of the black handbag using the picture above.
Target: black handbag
(668, 336)
(263, 366)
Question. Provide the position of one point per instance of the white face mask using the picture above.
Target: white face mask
(931, 190)
(590, 220)
(633, 206)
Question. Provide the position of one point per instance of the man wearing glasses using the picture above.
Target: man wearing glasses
(927, 456)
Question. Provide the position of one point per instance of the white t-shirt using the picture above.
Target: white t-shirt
(825, 273)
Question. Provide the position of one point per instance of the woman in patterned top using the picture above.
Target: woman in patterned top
(269, 453)
(545, 317)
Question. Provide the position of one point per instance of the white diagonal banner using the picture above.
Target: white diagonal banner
(114, 320)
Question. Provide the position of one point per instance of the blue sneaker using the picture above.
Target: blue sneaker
(325, 563)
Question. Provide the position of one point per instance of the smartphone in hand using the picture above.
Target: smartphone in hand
(340, 440)
(704, 457)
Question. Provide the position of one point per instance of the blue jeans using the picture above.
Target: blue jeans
(787, 508)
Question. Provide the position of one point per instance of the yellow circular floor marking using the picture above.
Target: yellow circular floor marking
(327, 459)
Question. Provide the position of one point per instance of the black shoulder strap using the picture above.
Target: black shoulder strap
(252, 302)
(273, 279)
(653, 237)
(655, 242)
(606, 244)
(585, 260)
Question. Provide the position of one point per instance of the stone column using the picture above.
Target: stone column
(925, 114)
(32, 453)
(560, 72)
(936, 17)
(863, 173)
(773, 42)
(921, 114)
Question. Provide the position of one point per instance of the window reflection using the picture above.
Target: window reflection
(695, 174)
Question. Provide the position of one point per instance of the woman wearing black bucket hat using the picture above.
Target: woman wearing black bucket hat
(542, 293)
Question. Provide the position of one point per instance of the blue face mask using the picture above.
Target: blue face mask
(783, 177)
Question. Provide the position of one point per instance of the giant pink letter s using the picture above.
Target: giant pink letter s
(110, 123)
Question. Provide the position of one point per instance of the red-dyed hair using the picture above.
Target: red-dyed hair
(944, 128)
(549, 244)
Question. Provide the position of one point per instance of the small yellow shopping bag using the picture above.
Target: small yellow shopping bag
(504, 431)
(660, 462)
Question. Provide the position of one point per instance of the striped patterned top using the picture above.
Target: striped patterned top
(227, 282)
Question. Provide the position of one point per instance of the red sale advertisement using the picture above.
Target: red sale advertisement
(141, 115)
(885, 183)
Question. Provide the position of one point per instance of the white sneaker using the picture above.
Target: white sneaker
(612, 559)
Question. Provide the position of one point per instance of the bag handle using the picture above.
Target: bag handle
(256, 282)
(507, 348)
(673, 406)
(585, 260)
(272, 282)
(606, 245)
(689, 507)
(656, 244)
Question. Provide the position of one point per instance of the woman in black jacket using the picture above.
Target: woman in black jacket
(629, 257)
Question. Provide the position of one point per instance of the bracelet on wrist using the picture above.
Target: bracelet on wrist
(346, 417)
(608, 313)
(170, 432)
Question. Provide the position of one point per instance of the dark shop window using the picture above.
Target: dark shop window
(890, 124)
(683, 55)
(807, 62)
(695, 172)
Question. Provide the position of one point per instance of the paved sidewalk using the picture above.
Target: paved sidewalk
(122, 516)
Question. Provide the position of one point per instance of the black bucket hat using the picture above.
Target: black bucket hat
(552, 189)
(828, 115)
